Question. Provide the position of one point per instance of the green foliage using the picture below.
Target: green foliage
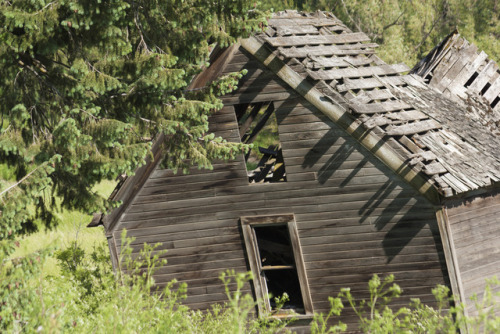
(238, 314)
(407, 30)
(19, 290)
(87, 85)
(381, 318)
(320, 324)
(376, 316)
(488, 304)
(87, 297)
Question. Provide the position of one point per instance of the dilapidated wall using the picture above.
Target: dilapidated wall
(355, 218)
(474, 228)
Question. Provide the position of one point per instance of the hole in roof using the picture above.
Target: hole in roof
(485, 88)
(495, 102)
(471, 80)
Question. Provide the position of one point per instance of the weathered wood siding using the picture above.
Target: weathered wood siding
(475, 231)
(355, 218)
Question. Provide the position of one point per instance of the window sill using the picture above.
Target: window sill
(295, 316)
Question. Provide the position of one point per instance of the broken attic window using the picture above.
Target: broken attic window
(276, 261)
(258, 126)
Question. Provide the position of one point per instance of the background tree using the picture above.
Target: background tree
(408, 30)
(86, 85)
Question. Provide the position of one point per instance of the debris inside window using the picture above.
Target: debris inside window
(258, 126)
(278, 269)
(275, 258)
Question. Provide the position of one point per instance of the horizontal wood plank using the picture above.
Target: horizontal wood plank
(317, 40)
(369, 83)
(301, 21)
(412, 128)
(328, 50)
(358, 72)
(346, 61)
(305, 29)
(380, 107)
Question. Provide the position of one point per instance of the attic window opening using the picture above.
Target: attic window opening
(276, 262)
(258, 126)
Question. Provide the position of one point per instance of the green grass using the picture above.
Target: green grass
(73, 227)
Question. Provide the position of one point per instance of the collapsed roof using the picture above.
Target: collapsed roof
(440, 137)
(460, 71)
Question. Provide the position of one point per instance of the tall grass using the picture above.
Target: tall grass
(74, 289)
(73, 228)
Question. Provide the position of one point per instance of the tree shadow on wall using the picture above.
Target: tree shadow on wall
(397, 211)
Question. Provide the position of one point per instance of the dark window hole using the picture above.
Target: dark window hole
(495, 102)
(471, 80)
(278, 266)
(485, 89)
(258, 126)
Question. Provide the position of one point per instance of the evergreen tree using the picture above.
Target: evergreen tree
(407, 30)
(85, 88)
(87, 85)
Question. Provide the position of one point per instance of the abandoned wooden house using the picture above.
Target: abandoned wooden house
(357, 169)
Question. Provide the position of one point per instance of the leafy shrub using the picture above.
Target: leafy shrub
(88, 297)
(375, 315)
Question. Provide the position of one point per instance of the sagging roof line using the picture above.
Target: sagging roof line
(438, 135)
(343, 118)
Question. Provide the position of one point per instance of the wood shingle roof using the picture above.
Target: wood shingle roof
(438, 136)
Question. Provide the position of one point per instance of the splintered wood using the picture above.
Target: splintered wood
(458, 69)
(400, 107)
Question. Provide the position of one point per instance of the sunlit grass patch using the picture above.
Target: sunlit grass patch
(73, 227)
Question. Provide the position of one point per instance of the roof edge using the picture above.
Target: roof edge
(131, 186)
(430, 61)
(484, 191)
(342, 118)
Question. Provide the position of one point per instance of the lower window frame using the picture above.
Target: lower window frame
(264, 307)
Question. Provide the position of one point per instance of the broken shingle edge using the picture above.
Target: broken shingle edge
(432, 59)
(340, 116)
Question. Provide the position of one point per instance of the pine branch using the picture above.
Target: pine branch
(52, 87)
(20, 181)
(141, 34)
(350, 17)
